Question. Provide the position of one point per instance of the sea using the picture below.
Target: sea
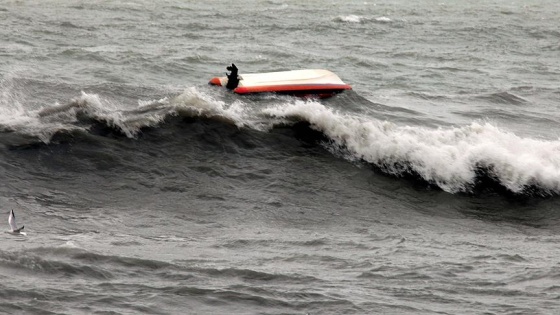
(431, 187)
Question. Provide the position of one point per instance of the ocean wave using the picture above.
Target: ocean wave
(44, 265)
(455, 159)
(252, 275)
(90, 113)
(73, 261)
(18, 125)
(503, 98)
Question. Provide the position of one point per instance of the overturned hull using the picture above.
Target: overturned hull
(308, 82)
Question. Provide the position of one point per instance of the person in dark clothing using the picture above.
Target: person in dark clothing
(233, 78)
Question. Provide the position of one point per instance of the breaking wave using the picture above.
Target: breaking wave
(451, 158)
(83, 113)
(455, 159)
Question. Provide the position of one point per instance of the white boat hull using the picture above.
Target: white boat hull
(308, 82)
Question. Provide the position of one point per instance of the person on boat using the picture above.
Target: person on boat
(233, 78)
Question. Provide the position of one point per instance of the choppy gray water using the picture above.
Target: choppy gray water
(431, 188)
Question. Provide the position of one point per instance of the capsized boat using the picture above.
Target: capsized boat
(307, 82)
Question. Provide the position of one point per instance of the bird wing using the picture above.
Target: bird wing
(12, 220)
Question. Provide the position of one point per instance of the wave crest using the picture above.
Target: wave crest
(451, 158)
(90, 113)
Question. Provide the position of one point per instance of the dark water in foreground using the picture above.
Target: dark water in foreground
(432, 187)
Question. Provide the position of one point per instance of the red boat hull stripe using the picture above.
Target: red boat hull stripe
(291, 88)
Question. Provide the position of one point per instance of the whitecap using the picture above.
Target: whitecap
(350, 18)
(449, 157)
(383, 19)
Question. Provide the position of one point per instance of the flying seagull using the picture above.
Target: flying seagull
(13, 225)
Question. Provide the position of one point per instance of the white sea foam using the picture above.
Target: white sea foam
(350, 18)
(45, 122)
(383, 19)
(448, 157)
(93, 106)
(205, 105)
(13, 115)
(10, 96)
